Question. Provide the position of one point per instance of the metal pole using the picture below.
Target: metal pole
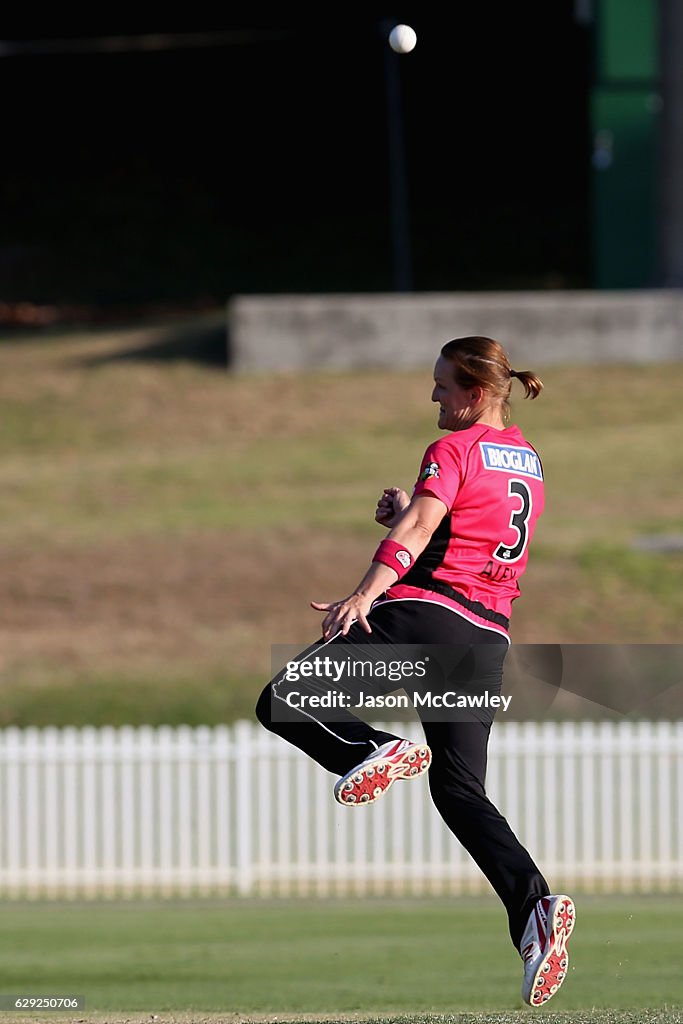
(398, 178)
(671, 146)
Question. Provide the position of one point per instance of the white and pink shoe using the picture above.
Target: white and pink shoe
(544, 948)
(397, 759)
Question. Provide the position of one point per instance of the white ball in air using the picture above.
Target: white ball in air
(402, 39)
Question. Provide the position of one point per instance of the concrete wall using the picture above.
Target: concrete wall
(300, 332)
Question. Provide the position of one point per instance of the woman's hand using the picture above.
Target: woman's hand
(342, 614)
(390, 505)
(417, 521)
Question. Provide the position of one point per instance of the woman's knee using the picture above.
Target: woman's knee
(264, 707)
(454, 789)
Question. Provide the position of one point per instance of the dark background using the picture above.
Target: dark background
(187, 175)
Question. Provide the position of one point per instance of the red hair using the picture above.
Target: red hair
(482, 362)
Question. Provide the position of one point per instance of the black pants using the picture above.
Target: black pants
(339, 741)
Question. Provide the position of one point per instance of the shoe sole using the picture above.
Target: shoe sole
(554, 966)
(366, 784)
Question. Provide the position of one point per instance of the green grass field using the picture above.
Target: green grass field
(162, 523)
(386, 958)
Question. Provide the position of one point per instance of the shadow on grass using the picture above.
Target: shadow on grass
(206, 342)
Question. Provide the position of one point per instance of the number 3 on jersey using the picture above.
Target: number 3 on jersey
(519, 519)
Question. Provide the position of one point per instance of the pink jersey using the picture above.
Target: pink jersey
(491, 482)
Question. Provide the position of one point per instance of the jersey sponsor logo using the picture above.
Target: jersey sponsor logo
(507, 458)
(405, 558)
(432, 470)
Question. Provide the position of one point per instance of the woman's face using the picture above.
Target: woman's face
(458, 407)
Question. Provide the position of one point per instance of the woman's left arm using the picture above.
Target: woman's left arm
(413, 531)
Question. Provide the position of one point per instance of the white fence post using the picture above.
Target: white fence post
(244, 809)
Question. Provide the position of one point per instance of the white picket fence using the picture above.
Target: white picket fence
(105, 812)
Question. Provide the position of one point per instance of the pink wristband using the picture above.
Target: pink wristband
(395, 556)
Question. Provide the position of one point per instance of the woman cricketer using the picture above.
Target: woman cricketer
(445, 578)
